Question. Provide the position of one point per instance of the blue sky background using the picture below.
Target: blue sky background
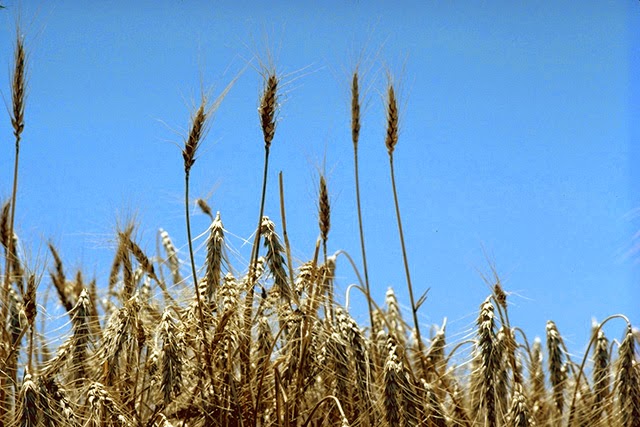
(517, 140)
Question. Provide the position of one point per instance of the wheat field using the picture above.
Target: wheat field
(166, 342)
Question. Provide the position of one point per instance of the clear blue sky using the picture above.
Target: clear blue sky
(517, 139)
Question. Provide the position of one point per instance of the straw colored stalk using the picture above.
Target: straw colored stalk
(391, 140)
(355, 138)
(18, 93)
(267, 113)
(197, 131)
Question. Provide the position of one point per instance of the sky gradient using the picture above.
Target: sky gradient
(517, 149)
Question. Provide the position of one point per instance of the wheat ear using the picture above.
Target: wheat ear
(557, 369)
(27, 401)
(536, 389)
(601, 376)
(391, 374)
(30, 312)
(324, 223)
(215, 244)
(4, 226)
(627, 382)
(172, 363)
(488, 363)
(519, 413)
(172, 256)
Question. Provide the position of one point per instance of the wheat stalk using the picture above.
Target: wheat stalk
(391, 140)
(18, 92)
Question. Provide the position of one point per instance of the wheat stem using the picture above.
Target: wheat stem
(391, 141)
(355, 137)
(285, 235)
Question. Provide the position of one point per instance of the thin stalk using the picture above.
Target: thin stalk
(256, 241)
(192, 143)
(11, 252)
(18, 85)
(414, 309)
(594, 336)
(355, 137)
(328, 308)
(285, 235)
(245, 346)
(267, 113)
(191, 257)
(391, 140)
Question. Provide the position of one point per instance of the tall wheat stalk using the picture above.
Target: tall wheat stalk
(355, 138)
(267, 113)
(198, 129)
(18, 93)
(391, 141)
(18, 88)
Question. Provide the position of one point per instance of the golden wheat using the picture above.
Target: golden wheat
(266, 343)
